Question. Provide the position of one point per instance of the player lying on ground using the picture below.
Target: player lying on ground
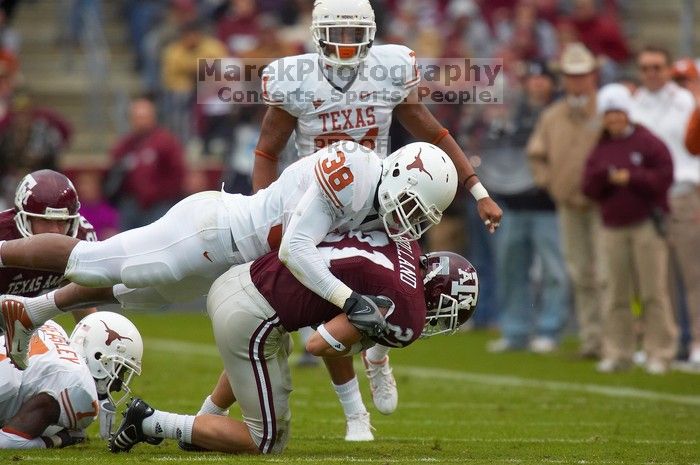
(56, 398)
(352, 89)
(253, 307)
(45, 202)
(176, 258)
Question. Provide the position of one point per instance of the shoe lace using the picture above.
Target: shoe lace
(381, 380)
(362, 418)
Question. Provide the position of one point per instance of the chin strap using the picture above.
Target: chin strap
(432, 274)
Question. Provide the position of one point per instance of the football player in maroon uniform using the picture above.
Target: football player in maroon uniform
(45, 202)
(252, 316)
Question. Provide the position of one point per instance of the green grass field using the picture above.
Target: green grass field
(457, 404)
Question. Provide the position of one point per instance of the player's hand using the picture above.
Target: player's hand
(490, 213)
(64, 438)
(106, 418)
(363, 312)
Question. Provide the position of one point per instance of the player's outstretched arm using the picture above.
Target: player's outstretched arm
(418, 120)
(277, 127)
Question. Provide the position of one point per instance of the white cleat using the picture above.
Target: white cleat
(358, 428)
(543, 345)
(383, 385)
(18, 329)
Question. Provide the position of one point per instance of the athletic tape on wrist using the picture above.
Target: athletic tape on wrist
(1, 243)
(479, 191)
(328, 337)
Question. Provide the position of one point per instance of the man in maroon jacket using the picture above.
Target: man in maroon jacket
(148, 171)
(629, 173)
(253, 307)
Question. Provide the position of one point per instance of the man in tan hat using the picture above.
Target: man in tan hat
(565, 134)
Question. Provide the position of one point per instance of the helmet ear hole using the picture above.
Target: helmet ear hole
(98, 355)
(396, 172)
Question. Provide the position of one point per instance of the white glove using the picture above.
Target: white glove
(106, 418)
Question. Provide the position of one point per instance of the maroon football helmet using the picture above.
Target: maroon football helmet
(49, 195)
(451, 292)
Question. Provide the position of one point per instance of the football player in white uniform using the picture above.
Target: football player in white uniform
(342, 187)
(67, 382)
(350, 90)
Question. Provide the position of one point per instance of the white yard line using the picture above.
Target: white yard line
(199, 349)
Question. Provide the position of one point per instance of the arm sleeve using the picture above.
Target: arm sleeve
(310, 223)
(537, 155)
(10, 440)
(655, 178)
(595, 183)
(278, 92)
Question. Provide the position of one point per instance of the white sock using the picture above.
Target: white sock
(1, 243)
(376, 353)
(42, 308)
(350, 397)
(209, 407)
(169, 426)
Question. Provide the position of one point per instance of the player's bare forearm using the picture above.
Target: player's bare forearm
(341, 330)
(277, 127)
(80, 314)
(418, 120)
(74, 297)
(47, 252)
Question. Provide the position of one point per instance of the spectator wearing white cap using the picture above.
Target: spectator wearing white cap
(628, 174)
(564, 136)
(665, 108)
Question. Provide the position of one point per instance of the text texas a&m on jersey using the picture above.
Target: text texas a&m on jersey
(30, 283)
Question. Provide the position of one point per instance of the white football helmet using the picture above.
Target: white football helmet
(112, 348)
(343, 30)
(418, 183)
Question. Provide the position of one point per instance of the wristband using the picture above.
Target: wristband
(441, 135)
(328, 337)
(260, 153)
(479, 191)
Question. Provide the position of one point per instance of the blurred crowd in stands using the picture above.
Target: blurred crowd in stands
(602, 214)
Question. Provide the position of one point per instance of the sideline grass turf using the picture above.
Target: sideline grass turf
(457, 404)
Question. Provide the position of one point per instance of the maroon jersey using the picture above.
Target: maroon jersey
(369, 263)
(30, 283)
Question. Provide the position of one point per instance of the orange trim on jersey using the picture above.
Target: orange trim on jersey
(326, 187)
(16, 432)
(441, 135)
(260, 153)
(265, 93)
(91, 414)
(2, 357)
(37, 346)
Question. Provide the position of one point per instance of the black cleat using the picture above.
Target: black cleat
(187, 447)
(130, 432)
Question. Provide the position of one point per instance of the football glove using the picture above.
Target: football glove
(363, 312)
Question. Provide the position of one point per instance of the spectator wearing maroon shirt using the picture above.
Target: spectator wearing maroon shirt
(148, 170)
(601, 34)
(629, 174)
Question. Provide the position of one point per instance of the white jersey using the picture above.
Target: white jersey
(345, 176)
(57, 370)
(326, 113)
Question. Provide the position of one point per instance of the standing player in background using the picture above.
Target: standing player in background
(55, 399)
(340, 99)
(45, 202)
